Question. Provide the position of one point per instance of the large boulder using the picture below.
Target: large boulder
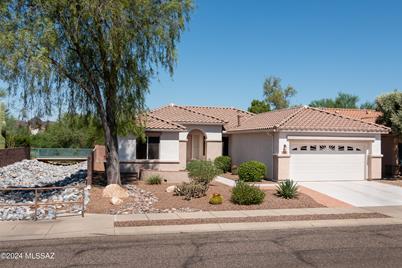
(115, 190)
(171, 189)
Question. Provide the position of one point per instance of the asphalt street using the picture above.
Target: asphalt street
(371, 246)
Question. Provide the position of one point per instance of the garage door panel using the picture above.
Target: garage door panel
(327, 165)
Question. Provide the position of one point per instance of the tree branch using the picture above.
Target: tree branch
(76, 81)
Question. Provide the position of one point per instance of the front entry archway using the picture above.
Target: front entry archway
(196, 145)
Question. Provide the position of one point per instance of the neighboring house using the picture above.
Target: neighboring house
(302, 143)
(35, 125)
(391, 144)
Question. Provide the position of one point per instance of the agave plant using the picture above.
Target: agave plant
(287, 189)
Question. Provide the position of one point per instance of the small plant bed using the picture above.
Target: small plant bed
(271, 201)
(251, 219)
(230, 176)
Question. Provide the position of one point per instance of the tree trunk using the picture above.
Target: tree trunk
(112, 157)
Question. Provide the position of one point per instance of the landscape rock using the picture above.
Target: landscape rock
(33, 173)
(143, 202)
(116, 201)
(115, 190)
(171, 189)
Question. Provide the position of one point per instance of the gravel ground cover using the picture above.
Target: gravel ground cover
(271, 201)
(146, 198)
(33, 173)
(139, 201)
(251, 219)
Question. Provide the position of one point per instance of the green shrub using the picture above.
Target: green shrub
(252, 171)
(216, 199)
(191, 190)
(223, 163)
(202, 171)
(245, 194)
(287, 189)
(154, 179)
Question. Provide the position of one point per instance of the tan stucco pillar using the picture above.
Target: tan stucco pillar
(374, 166)
(183, 154)
(281, 167)
(214, 149)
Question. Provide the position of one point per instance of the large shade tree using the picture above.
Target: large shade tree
(96, 56)
(391, 107)
(276, 96)
(258, 107)
(343, 100)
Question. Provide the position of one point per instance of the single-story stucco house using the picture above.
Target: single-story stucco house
(301, 143)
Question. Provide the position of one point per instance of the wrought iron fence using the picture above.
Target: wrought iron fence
(36, 201)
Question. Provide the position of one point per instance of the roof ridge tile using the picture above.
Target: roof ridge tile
(196, 112)
(166, 121)
(286, 119)
(349, 118)
(219, 107)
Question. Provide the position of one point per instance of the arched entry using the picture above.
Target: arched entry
(196, 145)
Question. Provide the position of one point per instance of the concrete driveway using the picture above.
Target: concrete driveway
(359, 193)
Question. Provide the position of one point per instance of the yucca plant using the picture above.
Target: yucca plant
(287, 189)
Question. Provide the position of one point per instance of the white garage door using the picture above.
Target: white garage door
(327, 161)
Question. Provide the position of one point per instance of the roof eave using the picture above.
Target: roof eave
(199, 123)
(250, 131)
(164, 130)
(336, 131)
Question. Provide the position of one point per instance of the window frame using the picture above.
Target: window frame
(147, 148)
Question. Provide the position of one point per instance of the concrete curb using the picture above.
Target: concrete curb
(103, 225)
(238, 213)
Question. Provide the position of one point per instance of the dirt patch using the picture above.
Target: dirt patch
(168, 200)
(251, 219)
(100, 204)
(397, 182)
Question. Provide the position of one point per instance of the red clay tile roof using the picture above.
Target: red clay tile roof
(267, 120)
(183, 115)
(365, 115)
(308, 119)
(229, 115)
(153, 122)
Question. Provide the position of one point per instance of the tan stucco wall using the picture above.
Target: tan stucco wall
(252, 146)
(169, 176)
(183, 154)
(281, 167)
(99, 155)
(214, 149)
(374, 167)
(152, 165)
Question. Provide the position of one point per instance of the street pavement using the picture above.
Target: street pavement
(364, 246)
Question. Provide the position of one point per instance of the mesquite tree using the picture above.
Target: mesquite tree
(94, 56)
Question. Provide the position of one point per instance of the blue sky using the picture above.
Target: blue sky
(318, 47)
